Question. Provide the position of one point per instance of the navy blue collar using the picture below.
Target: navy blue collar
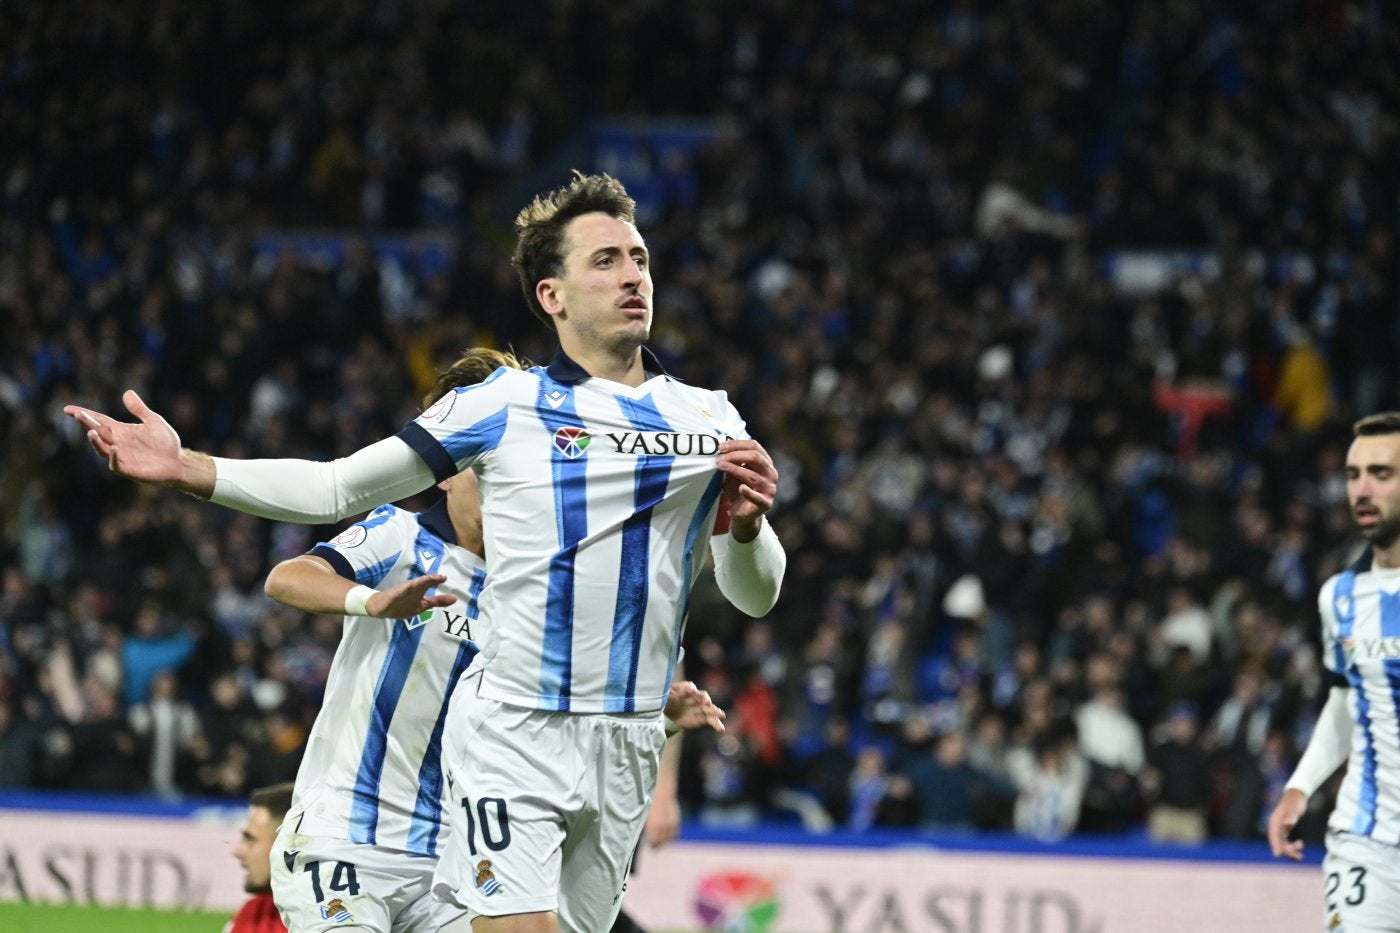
(565, 370)
(436, 520)
(1363, 563)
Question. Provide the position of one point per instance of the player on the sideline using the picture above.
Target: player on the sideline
(602, 478)
(1360, 722)
(266, 807)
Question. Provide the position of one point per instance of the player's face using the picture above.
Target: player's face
(1373, 487)
(254, 850)
(464, 504)
(603, 297)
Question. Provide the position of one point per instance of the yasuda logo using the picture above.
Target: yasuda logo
(664, 443)
(572, 442)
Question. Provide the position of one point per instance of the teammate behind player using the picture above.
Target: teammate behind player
(365, 824)
(1360, 610)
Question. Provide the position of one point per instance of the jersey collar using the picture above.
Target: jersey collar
(1363, 563)
(565, 370)
(436, 520)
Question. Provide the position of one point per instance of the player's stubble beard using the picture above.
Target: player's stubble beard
(1384, 533)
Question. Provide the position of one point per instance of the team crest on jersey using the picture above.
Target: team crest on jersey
(486, 881)
(572, 442)
(439, 409)
(336, 911)
(353, 536)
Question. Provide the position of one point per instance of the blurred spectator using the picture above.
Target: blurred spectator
(167, 730)
(19, 749)
(1179, 781)
(1050, 777)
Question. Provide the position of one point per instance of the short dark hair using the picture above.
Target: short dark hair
(539, 228)
(471, 369)
(276, 799)
(1384, 422)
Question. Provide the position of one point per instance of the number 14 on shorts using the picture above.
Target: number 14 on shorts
(342, 878)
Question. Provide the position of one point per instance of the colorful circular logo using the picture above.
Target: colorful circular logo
(736, 902)
(572, 442)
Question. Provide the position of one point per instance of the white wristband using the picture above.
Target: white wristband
(357, 600)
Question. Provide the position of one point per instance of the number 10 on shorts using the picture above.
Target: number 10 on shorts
(487, 810)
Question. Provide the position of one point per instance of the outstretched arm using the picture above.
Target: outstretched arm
(1327, 750)
(749, 560)
(149, 451)
(310, 584)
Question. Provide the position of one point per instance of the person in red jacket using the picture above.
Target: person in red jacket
(266, 807)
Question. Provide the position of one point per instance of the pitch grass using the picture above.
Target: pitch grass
(62, 918)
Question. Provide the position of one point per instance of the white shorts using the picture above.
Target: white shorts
(1361, 885)
(549, 808)
(322, 884)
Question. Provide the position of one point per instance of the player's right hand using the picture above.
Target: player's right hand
(148, 451)
(1281, 822)
(409, 598)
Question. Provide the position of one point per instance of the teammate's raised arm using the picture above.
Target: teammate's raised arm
(310, 583)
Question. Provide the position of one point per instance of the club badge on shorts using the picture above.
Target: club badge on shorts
(486, 881)
(336, 911)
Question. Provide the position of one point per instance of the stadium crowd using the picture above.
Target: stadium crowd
(1055, 536)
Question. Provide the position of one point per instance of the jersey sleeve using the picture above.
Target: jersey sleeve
(1334, 654)
(464, 425)
(368, 551)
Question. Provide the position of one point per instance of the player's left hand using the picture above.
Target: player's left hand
(1286, 815)
(691, 708)
(750, 483)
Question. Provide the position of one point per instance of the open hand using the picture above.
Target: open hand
(147, 451)
(409, 598)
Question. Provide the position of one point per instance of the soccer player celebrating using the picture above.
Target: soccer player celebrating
(1359, 723)
(602, 478)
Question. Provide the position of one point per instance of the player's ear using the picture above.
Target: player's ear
(550, 296)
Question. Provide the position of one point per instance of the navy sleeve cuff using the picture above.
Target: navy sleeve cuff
(1337, 680)
(427, 447)
(337, 561)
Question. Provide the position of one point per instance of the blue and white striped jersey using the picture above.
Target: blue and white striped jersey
(1361, 641)
(598, 503)
(372, 772)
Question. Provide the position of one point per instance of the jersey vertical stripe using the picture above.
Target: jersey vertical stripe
(403, 646)
(694, 535)
(1361, 631)
(570, 483)
(364, 817)
(372, 771)
(653, 472)
(427, 809)
(598, 499)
